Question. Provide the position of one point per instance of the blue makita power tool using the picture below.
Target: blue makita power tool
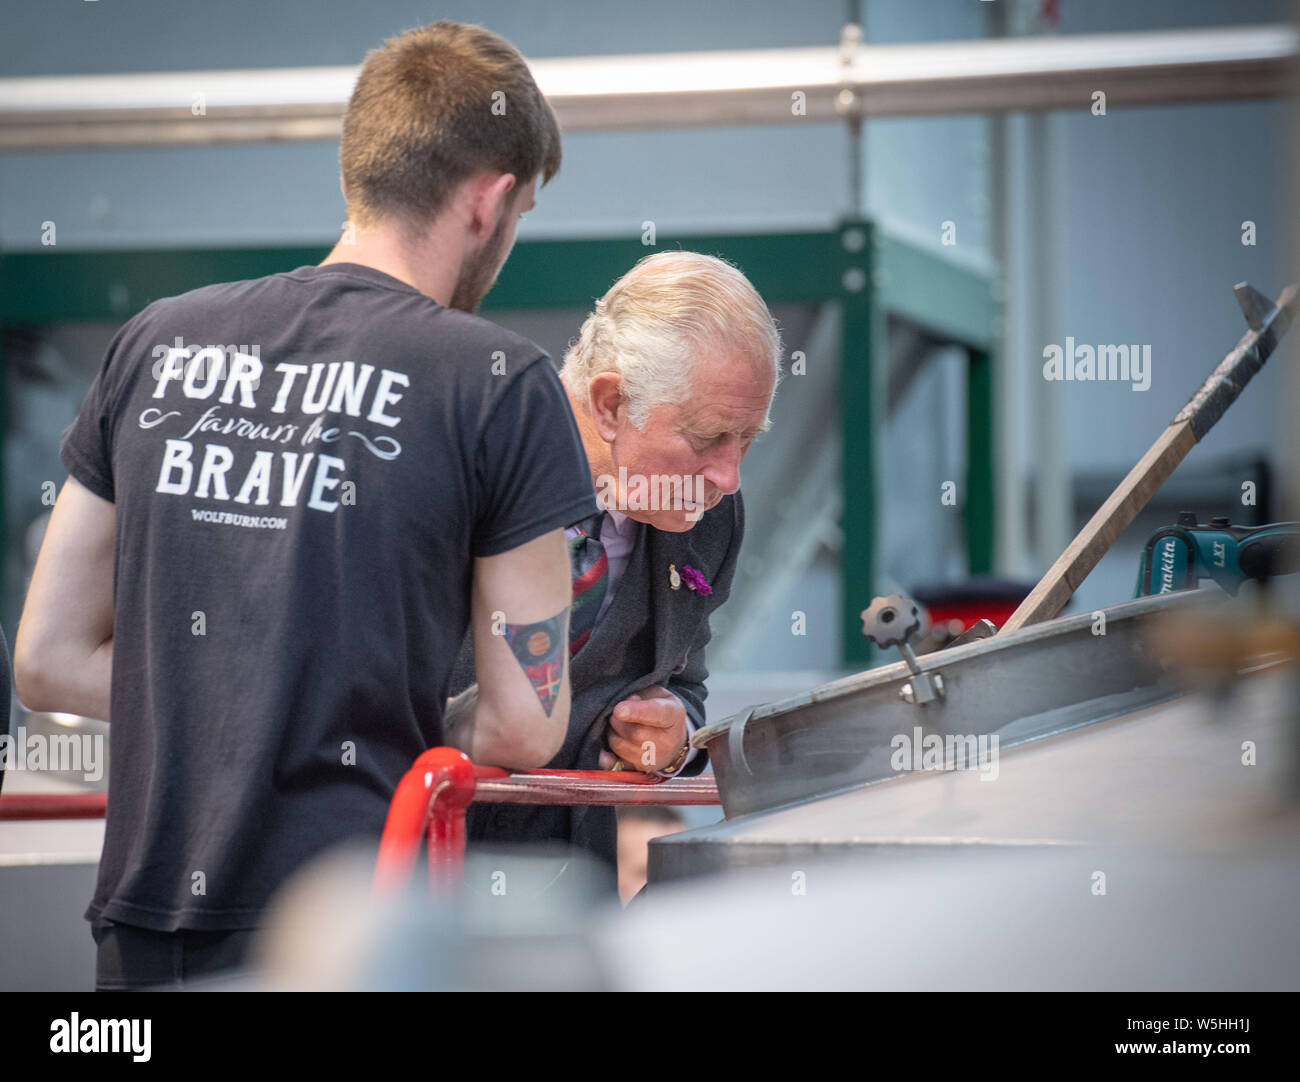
(1179, 557)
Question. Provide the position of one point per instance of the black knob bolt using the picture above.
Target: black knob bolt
(890, 620)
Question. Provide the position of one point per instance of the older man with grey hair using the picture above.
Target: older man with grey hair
(670, 381)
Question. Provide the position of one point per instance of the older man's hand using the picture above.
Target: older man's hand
(647, 730)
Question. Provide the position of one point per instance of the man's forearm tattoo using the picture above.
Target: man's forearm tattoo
(540, 648)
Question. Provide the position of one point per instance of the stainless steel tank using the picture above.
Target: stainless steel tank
(1070, 732)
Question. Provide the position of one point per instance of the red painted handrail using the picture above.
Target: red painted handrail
(595, 787)
(429, 804)
(433, 796)
(53, 806)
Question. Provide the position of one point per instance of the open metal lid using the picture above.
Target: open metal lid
(1025, 684)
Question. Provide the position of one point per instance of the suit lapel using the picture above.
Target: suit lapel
(643, 592)
(669, 606)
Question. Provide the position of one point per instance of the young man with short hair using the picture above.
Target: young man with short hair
(266, 556)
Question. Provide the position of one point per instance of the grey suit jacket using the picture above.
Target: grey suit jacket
(649, 634)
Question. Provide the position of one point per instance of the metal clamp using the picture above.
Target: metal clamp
(891, 621)
(736, 738)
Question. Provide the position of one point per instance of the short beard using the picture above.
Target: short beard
(478, 274)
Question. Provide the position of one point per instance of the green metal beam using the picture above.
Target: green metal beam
(979, 504)
(786, 268)
(71, 287)
(860, 325)
(61, 287)
(948, 299)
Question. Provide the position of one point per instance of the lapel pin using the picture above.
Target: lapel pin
(674, 579)
(695, 580)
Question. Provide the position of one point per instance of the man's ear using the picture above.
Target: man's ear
(490, 198)
(607, 404)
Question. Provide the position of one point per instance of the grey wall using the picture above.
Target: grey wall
(256, 194)
(1142, 244)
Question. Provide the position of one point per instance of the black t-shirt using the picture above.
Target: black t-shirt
(298, 509)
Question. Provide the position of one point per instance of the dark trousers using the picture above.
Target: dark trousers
(132, 958)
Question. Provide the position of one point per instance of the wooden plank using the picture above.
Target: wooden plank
(1268, 324)
(1056, 588)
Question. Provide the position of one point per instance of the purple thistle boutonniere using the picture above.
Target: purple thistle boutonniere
(696, 580)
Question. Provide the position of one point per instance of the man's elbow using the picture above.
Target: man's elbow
(555, 732)
(32, 680)
(540, 743)
(524, 746)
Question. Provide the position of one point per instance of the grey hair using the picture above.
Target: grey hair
(654, 323)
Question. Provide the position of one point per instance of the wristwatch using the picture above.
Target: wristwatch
(679, 761)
